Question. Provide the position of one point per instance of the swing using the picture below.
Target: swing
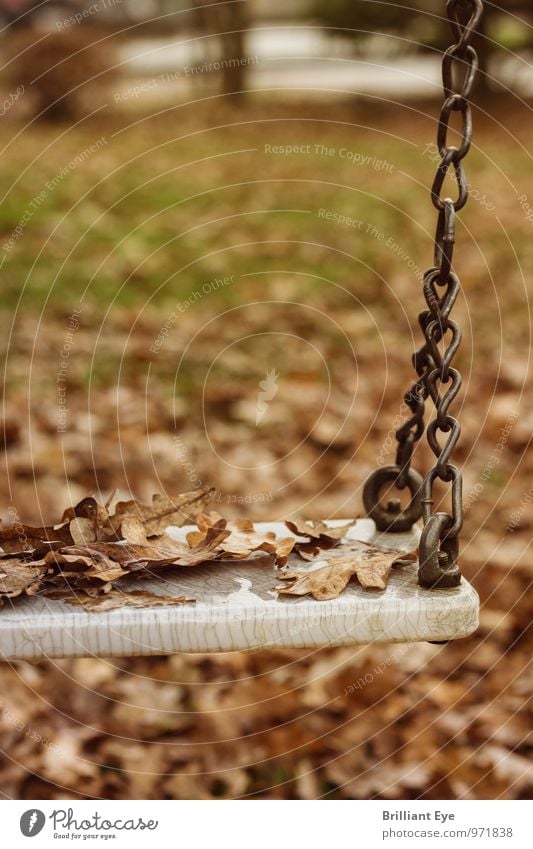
(236, 607)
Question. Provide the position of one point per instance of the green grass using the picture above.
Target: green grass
(136, 228)
(125, 240)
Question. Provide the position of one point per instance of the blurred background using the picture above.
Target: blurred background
(194, 196)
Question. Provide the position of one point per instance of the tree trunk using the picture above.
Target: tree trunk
(232, 19)
(227, 24)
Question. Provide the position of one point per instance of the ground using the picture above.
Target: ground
(155, 271)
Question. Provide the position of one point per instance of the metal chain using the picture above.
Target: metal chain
(433, 361)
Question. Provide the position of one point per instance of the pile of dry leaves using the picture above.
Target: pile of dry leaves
(82, 559)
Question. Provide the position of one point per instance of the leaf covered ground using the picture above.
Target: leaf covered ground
(229, 299)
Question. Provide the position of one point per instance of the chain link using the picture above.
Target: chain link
(437, 379)
(440, 537)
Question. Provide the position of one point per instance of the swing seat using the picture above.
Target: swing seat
(237, 609)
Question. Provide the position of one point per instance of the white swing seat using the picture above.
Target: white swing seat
(237, 609)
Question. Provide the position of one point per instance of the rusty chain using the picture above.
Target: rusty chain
(442, 336)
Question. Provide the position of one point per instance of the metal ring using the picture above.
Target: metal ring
(455, 103)
(437, 555)
(392, 520)
(451, 427)
(444, 241)
(443, 402)
(454, 475)
(463, 32)
(470, 59)
(446, 300)
(460, 177)
(435, 331)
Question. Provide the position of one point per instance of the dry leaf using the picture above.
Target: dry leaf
(242, 539)
(371, 565)
(82, 563)
(17, 578)
(284, 547)
(318, 531)
(94, 549)
(25, 540)
(133, 531)
(164, 551)
(320, 536)
(87, 508)
(307, 550)
(205, 522)
(323, 584)
(209, 520)
(63, 761)
(165, 510)
(82, 530)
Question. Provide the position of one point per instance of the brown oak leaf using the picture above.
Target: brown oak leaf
(371, 566)
(82, 530)
(319, 536)
(164, 551)
(242, 540)
(25, 539)
(164, 510)
(17, 578)
(83, 566)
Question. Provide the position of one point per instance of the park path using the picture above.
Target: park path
(306, 59)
